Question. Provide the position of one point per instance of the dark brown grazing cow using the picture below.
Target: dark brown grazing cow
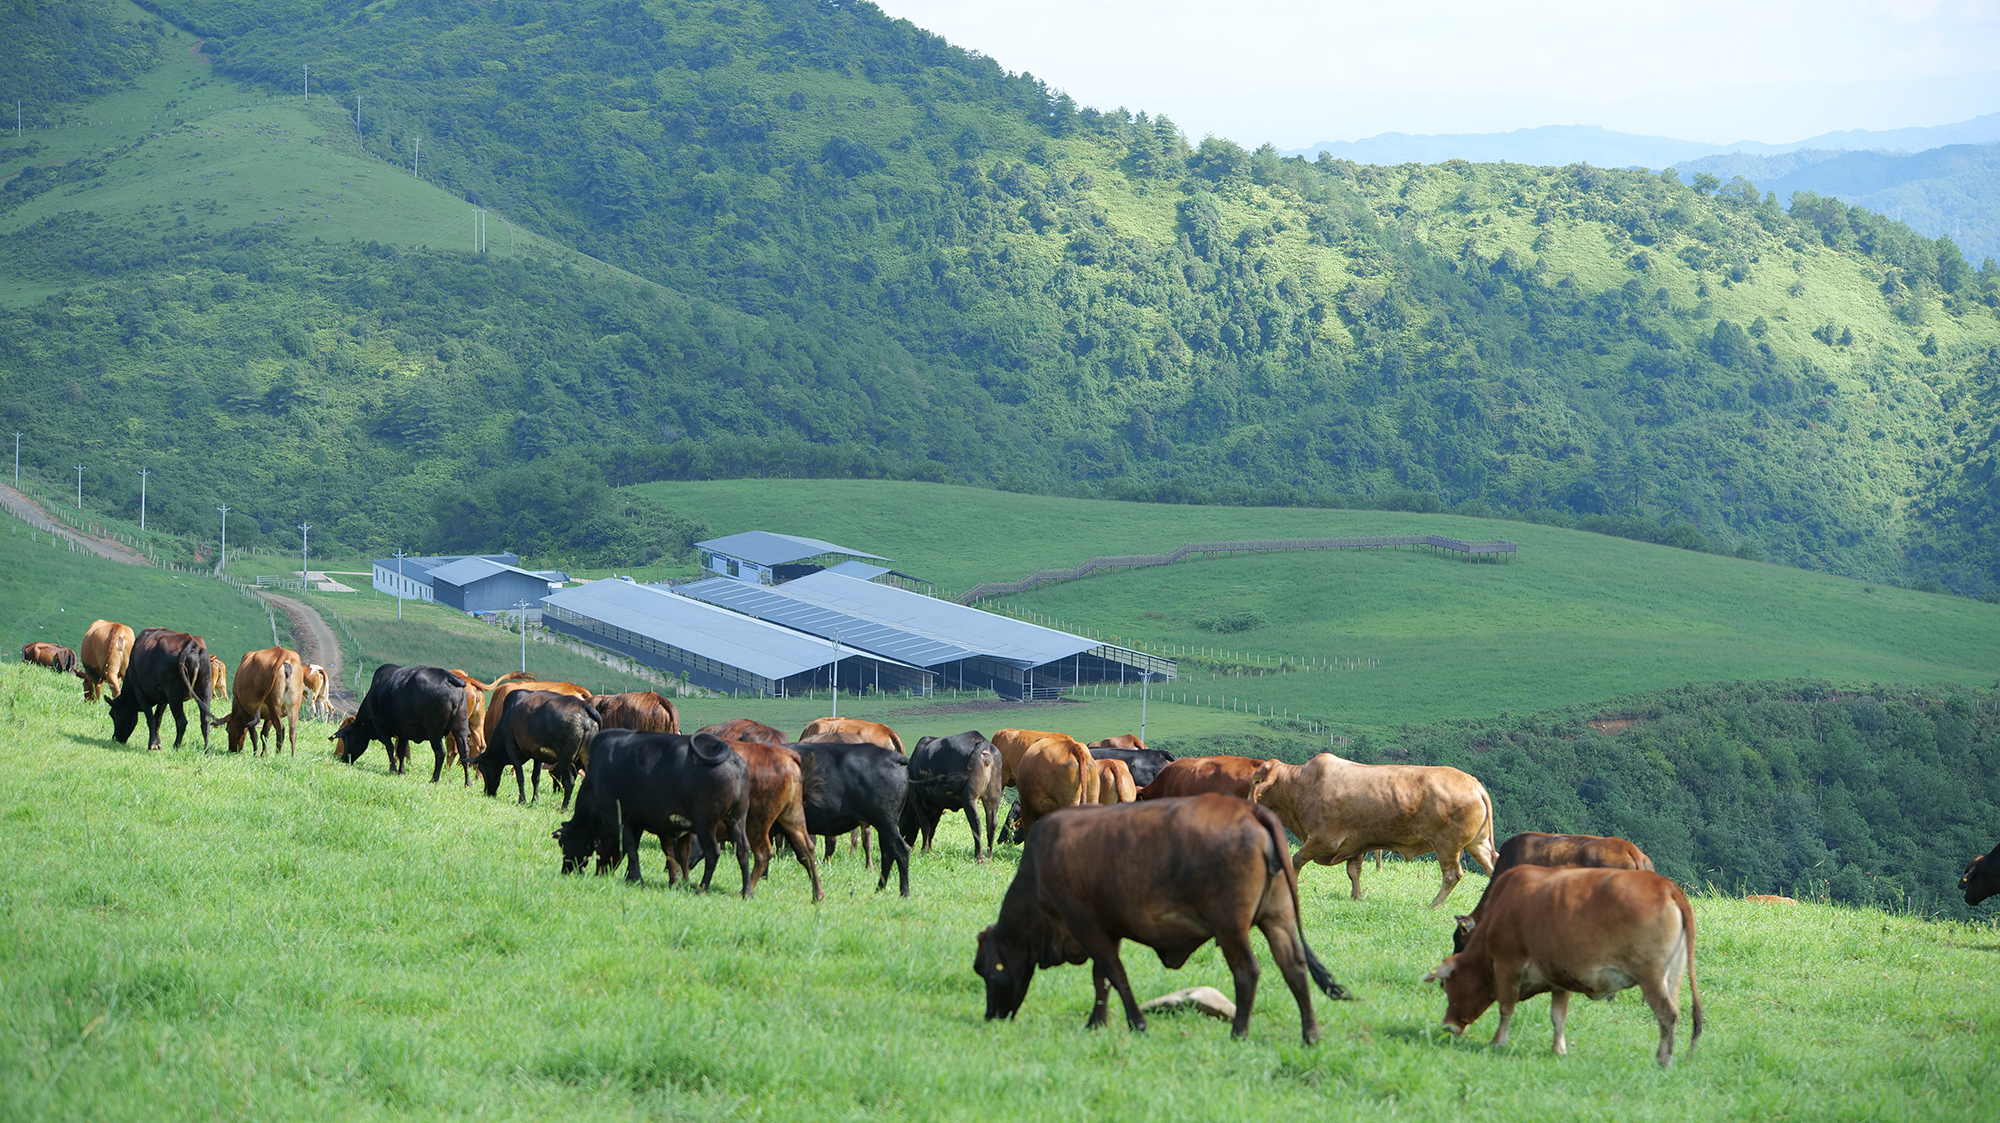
(1195, 775)
(777, 803)
(743, 729)
(1532, 848)
(546, 729)
(167, 668)
(1171, 874)
(1593, 932)
(641, 710)
(54, 656)
(1982, 877)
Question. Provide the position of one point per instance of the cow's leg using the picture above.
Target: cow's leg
(971, 820)
(867, 859)
(1244, 970)
(437, 758)
(1448, 865)
(1558, 1013)
(180, 724)
(832, 844)
(1115, 969)
(802, 848)
(711, 851)
(538, 781)
(1289, 953)
(632, 837)
(1666, 1011)
(739, 840)
(1354, 878)
(1484, 855)
(676, 851)
(568, 781)
(896, 851)
(153, 718)
(1099, 1010)
(992, 821)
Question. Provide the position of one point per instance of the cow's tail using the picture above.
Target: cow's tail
(1694, 991)
(1486, 799)
(1279, 860)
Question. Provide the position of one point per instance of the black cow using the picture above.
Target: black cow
(1144, 764)
(1982, 877)
(543, 728)
(405, 704)
(956, 773)
(851, 784)
(667, 784)
(167, 668)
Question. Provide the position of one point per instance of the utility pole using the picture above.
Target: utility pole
(222, 555)
(304, 530)
(79, 487)
(833, 673)
(143, 473)
(309, 83)
(357, 114)
(1144, 679)
(17, 459)
(522, 606)
(416, 156)
(400, 555)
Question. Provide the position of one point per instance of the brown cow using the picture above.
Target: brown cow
(1053, 775)
(847, 730)
(1343, 810)
(642, 710)
(315, 693)
(1109, 782)
(508, 683)
(545, 728)
(1013, 745)
(1198, 774)
(1122, 741)
(54, 656)
(777, 803)
(107, 649)
(1171, 874)
(1589, 931)
(743, 729)
(270, 684)
(218, 677)
(1532, 848)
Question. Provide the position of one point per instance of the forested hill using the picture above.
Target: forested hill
(882, 254)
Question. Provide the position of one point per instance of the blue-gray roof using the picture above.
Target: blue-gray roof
(772, 605)
(768, 650)
(465, 571)
(421, 567)
(765, 548)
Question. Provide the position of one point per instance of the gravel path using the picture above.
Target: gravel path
(31, 513)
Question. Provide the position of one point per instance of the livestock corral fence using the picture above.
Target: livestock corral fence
(1473, 551)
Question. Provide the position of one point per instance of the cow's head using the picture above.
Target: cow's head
(238, 726)
(124, 717)
(1468, 990)
(579, 838)
(491, 769)
(349, 741)
(1461, 934)
(1981, 880)
(1008, 967)
(1262, 779)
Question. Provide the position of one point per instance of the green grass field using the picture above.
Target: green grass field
(201, 936)
(1576, 618)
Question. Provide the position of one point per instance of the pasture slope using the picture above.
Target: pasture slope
(1576, 618)
(196, 937)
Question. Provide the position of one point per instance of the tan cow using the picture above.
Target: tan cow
(1053, 774)
(1343, 810)
(1575, 930)
(270, 684)
(477, 728)
(218, 678)
(1013, 745)
(1109, 782)
(828, 730)
(1122, 741)
(107, 648)
(315, 692)
(642, 710)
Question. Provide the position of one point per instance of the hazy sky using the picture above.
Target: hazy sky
(1297, 72)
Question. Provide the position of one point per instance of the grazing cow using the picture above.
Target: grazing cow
(1532, 848)
(659, 783)
(543, 728)
(1982, 877)
(167, 669)
(850, 785)
(405, 703)
(475, 718)
(959, 772)
(1144, 764)
(270, 684)
(1588, 931)
(1055, 772)
(218, 680)
(54, 656)
(1343, 810)
(1109, 782)
(1122, 741)
(777, 805)
(641, 710)
(852, 731)
(314, 691)
(107, 650)
(1170, 874)
(743, 729)
(1013, 745)
(508, 683)
(1197, 775)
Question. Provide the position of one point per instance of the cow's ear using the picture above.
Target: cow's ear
(1465, 923)
(1443, 970)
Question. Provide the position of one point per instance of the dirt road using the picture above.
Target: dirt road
(30, 512)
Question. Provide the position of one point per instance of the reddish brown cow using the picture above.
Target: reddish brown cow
(270, 684)
(1198, 774)
(1054, 774)
(777, 803)
(641, 710)
(1532, 848)
(1122, 741)
(107, 649)
(54, 656)
(1589, 931)
(743, 729)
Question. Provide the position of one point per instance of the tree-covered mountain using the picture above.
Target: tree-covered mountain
(872, 252)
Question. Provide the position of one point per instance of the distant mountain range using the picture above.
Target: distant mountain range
(1942, 180)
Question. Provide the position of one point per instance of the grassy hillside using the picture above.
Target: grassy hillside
(880, 254)
(384, 947)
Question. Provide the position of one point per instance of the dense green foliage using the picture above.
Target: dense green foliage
(60, 54)
(190, 934)
(946, 271)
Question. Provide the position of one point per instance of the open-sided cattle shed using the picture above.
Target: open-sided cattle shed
(765, 558)
(714, 647)
(960, 645)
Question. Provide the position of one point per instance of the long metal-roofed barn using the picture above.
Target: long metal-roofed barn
(768, 559)
(961, 646)
(714, 647)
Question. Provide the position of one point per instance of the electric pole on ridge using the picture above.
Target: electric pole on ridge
(304, 530)
(143, 473)
(222, 555)
(79, 487)
(400, 555)
(522, 607)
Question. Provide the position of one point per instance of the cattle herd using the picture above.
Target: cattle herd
(1118, 841)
